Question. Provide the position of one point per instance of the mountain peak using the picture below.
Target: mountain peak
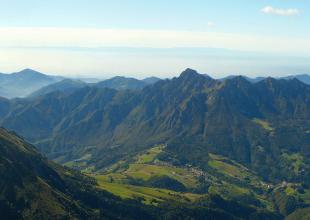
(29, 73)
(237, 80)
(189, 73)
(121, 83)
(27, 70)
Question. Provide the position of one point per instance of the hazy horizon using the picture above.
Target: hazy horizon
(139, 39)
(105, 76)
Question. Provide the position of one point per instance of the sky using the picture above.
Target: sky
(99, 38)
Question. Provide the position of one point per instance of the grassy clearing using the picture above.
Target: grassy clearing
(112, 178)
(143, 168)
(76, 164)
(145, 172)
(231, 169)
(264, 124)
(146, 194)
(295, 160)
(228, 191)
(291, 190)
(143, 158)
(227, 169)
(150, 155)
(80, 163)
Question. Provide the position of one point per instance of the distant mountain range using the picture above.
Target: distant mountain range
(32, 83)
(119, 83)
(240, 117)
(123, 83)
(66, 85)
(22, 83)
(305, 78)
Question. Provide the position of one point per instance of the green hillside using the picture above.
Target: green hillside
(34, 188)
(145, 177)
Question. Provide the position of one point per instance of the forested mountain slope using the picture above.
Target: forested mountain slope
(254, 124)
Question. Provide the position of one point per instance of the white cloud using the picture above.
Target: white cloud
(280, 11)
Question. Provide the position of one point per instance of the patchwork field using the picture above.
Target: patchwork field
(133, 180)
(147, 178)
(147, 195)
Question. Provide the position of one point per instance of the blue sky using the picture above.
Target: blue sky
(135, 37)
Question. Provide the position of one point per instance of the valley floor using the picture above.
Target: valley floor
(147, 178)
